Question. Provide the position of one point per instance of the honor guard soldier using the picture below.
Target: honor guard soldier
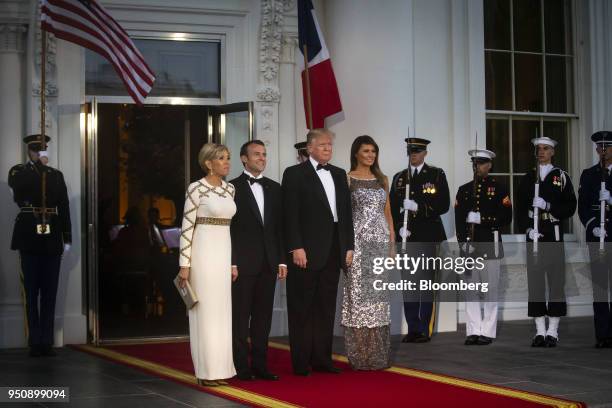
(545, 198)
(41, 235)
(302, 151)
(594, 205)
(482, 208)
(424, 231)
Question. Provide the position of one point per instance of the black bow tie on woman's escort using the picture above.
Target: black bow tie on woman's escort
(322, 167)
(255, 180)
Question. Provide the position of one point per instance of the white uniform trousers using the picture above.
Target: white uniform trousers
(480, 324)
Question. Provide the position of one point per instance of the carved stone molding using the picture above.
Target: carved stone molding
(268, 94)
(270, 38)
(288, 5)
(289, 45)
(267, 118)
(12, 37)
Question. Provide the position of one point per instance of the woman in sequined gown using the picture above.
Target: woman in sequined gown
(365, 312)
(205, 261)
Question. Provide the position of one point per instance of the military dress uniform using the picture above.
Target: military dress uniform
(302, 151)
(601, 261)
(557, 191)
(40, 250)
(491, 207)
(429, 189)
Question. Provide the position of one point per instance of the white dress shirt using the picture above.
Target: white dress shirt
(544, 170)
(258, 193)
(328, 184)
(418, 168)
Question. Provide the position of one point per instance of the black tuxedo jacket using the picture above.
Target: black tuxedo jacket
(308, 219)
(254, 240)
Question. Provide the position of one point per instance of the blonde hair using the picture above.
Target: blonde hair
(210, 151)
(314, 133)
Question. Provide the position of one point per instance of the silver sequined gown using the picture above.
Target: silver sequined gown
(365, 314)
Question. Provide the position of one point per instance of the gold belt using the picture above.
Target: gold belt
(39, 210)
(213, 221)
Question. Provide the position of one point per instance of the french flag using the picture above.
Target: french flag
(319, 82)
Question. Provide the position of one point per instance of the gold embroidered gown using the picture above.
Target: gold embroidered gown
(206, 248)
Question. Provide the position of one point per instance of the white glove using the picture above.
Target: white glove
(67, 247)
(473, 217)
(404, 233)
(531, 233)
(43, 156)
(597, 232)
(410, 205)
(540, 203)
(467, 248)
(605, 196)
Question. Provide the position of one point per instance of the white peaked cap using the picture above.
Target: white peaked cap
(482, 153)
(544, 140)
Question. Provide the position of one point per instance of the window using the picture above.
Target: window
(188, 69)
(528, 56)
(529, 83)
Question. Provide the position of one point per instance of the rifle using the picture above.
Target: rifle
(536, 194)
(409, 181)
(474, 191)
(602, 203)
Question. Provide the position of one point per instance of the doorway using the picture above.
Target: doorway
(140, 159)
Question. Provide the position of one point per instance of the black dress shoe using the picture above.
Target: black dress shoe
(471, 340)
(35, 351)
(47, 351)
(409, 338)
(265, 375)
(327, 369)
(245, 376)
(303, 373)
(421, 338)
(538, 341)
(551, 341)
(484, 340)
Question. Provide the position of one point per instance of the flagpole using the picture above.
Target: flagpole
(43, 69)
(308, 100)
(43, 139)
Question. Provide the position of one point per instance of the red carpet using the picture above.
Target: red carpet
(396, 386)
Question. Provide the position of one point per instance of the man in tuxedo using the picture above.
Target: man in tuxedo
(259, 256)
(319, 236)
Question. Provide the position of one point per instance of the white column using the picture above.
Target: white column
(70, 319)
(287, 109)
(12, 41)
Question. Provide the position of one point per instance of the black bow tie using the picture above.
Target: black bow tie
(255, 180)
(322, 167)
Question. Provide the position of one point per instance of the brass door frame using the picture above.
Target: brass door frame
(89, 185)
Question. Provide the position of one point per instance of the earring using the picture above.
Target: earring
(211, 172)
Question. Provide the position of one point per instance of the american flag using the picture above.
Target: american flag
(86, 23)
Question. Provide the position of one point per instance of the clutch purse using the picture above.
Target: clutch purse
(186, 293)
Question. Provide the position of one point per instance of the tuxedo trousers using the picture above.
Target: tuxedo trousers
(311, 304)
(252, 306)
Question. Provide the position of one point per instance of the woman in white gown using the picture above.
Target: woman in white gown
(205, 260)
